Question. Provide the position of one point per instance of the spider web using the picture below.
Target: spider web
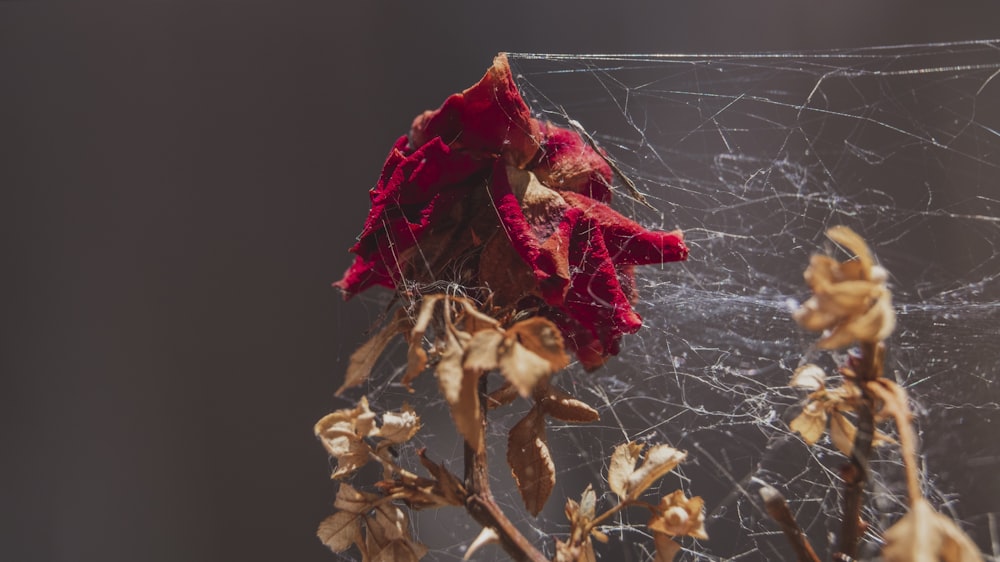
(754, 157)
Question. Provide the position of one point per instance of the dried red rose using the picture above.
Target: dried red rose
(481, 194)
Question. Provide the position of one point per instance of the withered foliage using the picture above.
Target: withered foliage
(461, 344)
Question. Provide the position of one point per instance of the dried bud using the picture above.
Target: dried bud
(850, 299)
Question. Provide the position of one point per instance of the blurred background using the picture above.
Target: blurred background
(180, 183)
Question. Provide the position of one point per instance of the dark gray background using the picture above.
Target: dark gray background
(180, 182)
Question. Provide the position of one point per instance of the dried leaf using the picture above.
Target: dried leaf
(622, 466)
(543, 338)
(389, 523)
(399, 550)
(416, 362)
(481, 354)
(659, 460)
(460, 389)
(523, 368)
(342, 433)
(530, 461)
(353, 501)
(399, 427)
(842, 433)
(924, 535)
(564, 407)
(809, 376)
(811, 423)
(680, 516)
(363, 360)
(853, 242)
(666, 549)
(340, 531)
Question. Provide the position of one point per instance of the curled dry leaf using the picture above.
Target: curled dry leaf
(564, 407)
(850, 299)
(622, 466)
(530, 461)
(460, 389)
(659, 460)
(679, 516)
(342, 434)
(363, 359)
(924, 535)
(811, 423)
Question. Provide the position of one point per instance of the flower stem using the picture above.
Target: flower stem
(480, 502)
(867, 367)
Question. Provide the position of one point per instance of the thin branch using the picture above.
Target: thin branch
(867, 367)
(480, 502)
(777, 508)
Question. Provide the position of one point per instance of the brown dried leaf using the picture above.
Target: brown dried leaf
(680, 516)
(854, 243)
(522, 368)
(363, 360)
(416, 362)
(924, 535)
(543, 338)
(340, 531)
(811, 423)
(459, 387)
(530, 461)
(399, 427)
(659, 460)
(842, 433)
(400, 551)
(389, 523)
(481, 354)
(666, 549)
(353, 501)
(622, 466)
(564, 407)
(342, 433)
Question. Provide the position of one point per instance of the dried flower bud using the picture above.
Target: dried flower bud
(850, 299)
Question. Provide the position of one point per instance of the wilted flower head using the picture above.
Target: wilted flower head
(481, 194)
(850, 299)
